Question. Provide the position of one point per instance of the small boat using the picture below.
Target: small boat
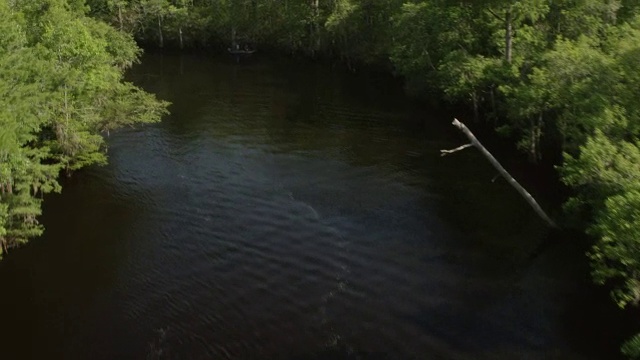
(240, 52)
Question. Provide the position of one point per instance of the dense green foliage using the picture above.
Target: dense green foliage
(60, 88)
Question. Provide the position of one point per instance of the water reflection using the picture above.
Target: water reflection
(287, 211)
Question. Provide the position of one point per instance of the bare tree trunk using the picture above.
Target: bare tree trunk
(494, 110)
(476, 112)
(474, 142)
(120, 16)
(533, 142)
(534, 137)
(233, 38)
(508, 36)
(315, 26)
(180, 37)
(539, 135)
(160, 37)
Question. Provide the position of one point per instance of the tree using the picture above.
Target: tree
(60, 87)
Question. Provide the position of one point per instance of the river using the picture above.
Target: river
(287, 210)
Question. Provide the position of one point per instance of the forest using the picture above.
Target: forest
(560, 78)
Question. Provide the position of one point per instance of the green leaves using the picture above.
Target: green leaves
(60, 87)
(427, 35)
(611, 167)
(603, 169)
(565, 70)
(594, 91)
(464, 75)
(616, 256)
(631, 348)
(606, 177)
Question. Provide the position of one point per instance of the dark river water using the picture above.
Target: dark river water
(285, 210)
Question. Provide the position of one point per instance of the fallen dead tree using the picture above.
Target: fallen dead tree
(525, 194)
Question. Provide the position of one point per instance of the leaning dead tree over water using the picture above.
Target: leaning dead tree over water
(525, 194)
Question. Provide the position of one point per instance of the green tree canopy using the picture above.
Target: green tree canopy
(61, 86)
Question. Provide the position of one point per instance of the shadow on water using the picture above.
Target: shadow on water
(61, 282)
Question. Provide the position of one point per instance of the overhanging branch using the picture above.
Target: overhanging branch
(525, 194)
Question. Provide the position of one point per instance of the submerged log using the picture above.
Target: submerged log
(525, 194)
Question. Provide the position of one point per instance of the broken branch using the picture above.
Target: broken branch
(525, 194)
(447, 152)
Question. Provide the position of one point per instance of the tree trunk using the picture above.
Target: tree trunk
(530, 200)
(315, 27)
(233, 38)
(120, 16)
(494, 110)
(533, 142)
(534, 138)
(476, 114)
(160, 37)
(539, 136)
(180, 37)
(508, 36)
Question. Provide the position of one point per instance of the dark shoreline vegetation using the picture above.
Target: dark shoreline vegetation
(559, 79)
